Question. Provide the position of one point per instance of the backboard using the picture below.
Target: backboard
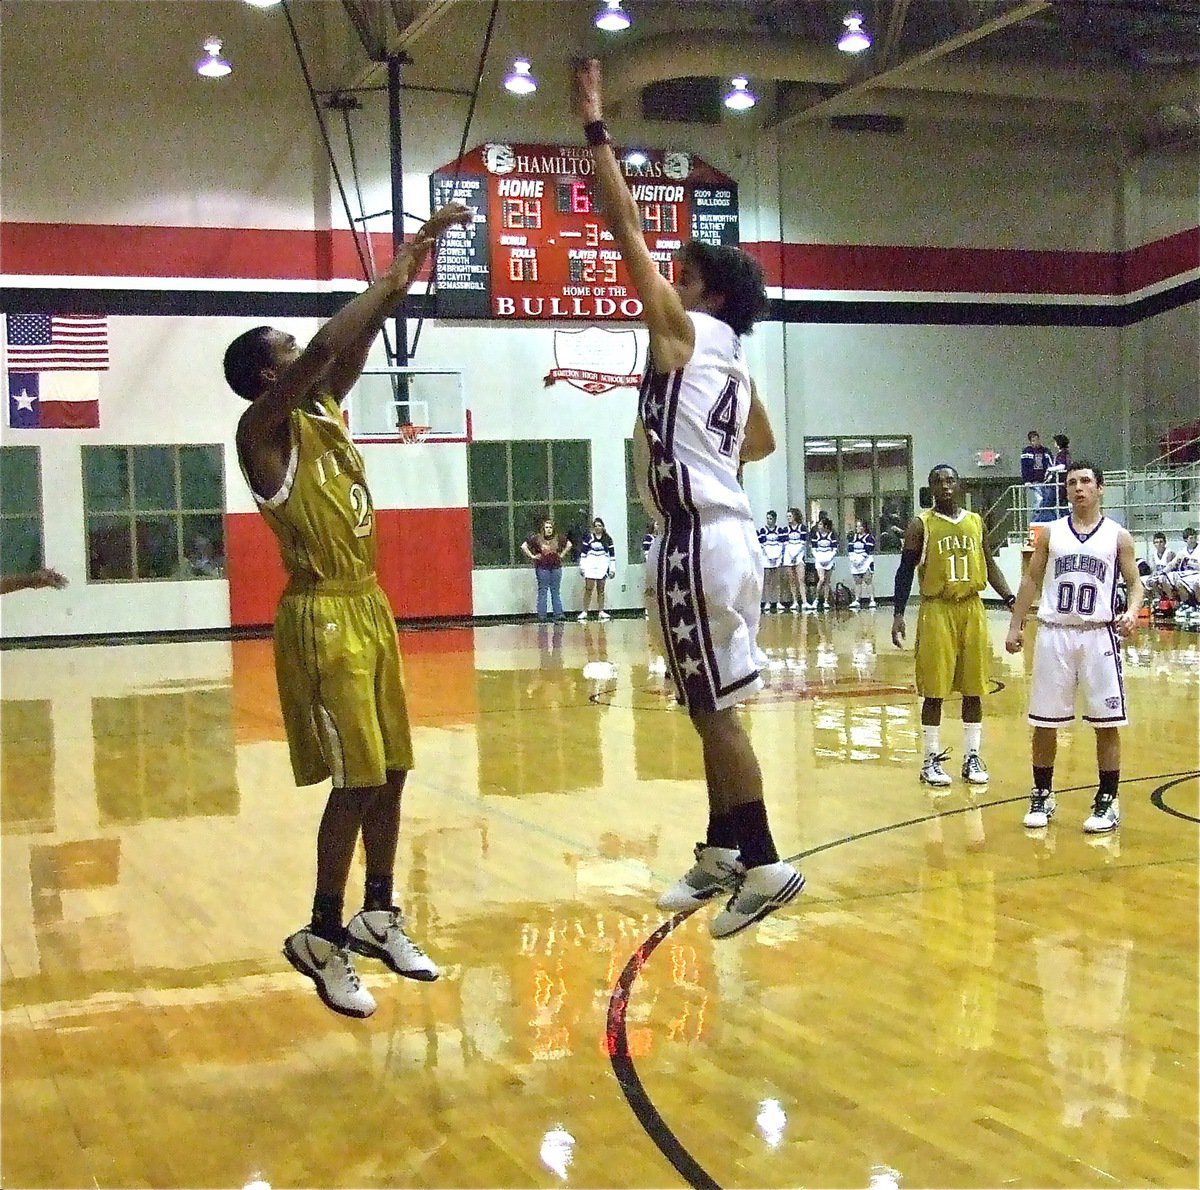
(387, 402)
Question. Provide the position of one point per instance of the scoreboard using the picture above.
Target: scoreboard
(540, 247)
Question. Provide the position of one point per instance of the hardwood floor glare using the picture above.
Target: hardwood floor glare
(953, 998)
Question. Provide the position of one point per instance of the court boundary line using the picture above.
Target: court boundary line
(616, 1037)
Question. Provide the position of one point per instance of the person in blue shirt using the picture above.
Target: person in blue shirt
(1035, 460)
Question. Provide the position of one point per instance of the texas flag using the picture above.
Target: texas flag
(53, 400)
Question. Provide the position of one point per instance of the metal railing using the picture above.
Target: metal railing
(1160, 497)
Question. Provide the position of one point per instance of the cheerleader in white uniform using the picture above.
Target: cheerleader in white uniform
(772, 552)
(860, 552)
(824, 542)
(795, 537)
(597, 562)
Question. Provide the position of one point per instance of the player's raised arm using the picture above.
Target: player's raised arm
(672, 337)
(335, 356)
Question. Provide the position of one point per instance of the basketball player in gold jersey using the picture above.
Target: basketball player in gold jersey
(945, 547)
(336, 656)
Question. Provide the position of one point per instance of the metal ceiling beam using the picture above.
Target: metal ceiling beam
(420, 24)
(398, 42)
(885, 77)
(364, 16)
(891, 38)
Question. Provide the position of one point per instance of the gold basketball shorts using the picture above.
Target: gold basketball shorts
(337, 663)
(953, 651)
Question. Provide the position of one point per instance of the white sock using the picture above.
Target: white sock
(933, 739)
(971, 736)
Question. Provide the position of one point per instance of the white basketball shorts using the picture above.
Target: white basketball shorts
(708, 587)
(1187, 580)
(1071, 661)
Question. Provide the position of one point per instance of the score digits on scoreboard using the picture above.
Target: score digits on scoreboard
(539, 247)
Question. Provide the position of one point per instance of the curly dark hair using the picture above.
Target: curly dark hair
(245, 358)
(736, 276)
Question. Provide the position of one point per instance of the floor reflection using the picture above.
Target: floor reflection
(951, 1003)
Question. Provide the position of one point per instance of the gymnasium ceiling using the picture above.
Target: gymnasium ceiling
(1131, 67)
(1123, 68)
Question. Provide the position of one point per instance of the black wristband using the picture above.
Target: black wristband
(1010, 602)
(596, 133)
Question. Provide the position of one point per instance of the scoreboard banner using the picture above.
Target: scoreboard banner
(539, 247)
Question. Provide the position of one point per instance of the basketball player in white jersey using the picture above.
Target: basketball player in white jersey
(698, 420)
(1185, 579)
(1075, 567)
(1154, 569)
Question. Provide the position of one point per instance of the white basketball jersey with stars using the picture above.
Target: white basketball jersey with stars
(695, 420)
(1080, 585)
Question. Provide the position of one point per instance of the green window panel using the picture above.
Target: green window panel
(154, 512)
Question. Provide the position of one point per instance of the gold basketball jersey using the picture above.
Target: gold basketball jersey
(952, 563)
(322, 516)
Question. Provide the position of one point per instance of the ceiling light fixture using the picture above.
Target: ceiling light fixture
(519, 80)
(636, 158)
(612, 18)
(212, 65)
(262, 3)
(739, 98)
(855, 39)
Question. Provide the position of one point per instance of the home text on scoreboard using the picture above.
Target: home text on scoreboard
(540, 247)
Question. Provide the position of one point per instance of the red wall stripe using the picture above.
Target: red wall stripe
(1159, 261)
(64, 249)
(424, 564)
(102, 250)
(946, 270)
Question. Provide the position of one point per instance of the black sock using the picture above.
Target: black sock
(749, 821)
(378, 893)
(1043, 777)
(721, 831)
(1108, 784)
(327, 918)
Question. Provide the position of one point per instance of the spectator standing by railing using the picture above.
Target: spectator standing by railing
(1035, 461)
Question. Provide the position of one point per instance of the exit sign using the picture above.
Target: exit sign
(987, 458)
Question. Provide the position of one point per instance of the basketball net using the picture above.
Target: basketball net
(410, 434)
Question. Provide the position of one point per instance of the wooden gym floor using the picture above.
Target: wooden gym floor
(953, 1002)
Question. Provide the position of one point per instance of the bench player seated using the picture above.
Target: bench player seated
(1184, 576)
(1154, 568)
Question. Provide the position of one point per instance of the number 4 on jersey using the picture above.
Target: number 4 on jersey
(722, 417)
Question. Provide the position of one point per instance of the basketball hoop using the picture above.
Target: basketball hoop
(411, 434)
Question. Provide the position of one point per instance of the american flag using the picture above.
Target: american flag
(57, 342)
